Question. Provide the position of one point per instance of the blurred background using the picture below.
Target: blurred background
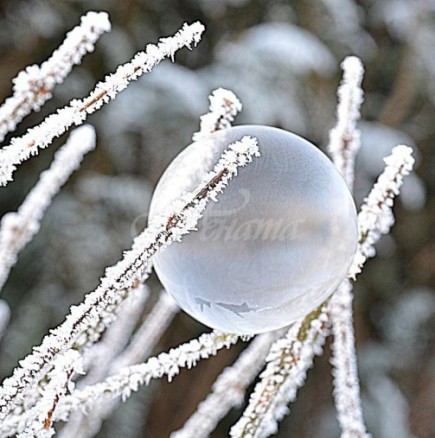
(282, 59)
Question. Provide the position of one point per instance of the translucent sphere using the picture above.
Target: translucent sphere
(276, 244)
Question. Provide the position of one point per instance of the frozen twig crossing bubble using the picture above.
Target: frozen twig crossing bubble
(85, 322)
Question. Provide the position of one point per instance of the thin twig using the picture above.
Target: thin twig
(18, 229)
(33, 86)
(344, 145)
(53, 126)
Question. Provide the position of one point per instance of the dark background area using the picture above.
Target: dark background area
(282, 59)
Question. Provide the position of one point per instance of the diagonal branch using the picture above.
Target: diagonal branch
(41, 136)
(229, 389)
(128, 379)
(34, 86)
(18, 229)
(85, 322)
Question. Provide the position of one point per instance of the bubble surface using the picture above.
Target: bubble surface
(276, 244)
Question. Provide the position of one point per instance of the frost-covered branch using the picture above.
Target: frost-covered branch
(346, 383)
(343, 146)
(344, 138)
(17, 229)
(228, 391)
(129, 379)
(34, 86)
(38, 421)
(376, 215)
(101, 358)
(224, 106)
(85, 322)
(287, 365)
(76, 112)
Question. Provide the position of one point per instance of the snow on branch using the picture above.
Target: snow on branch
(98, 360)
(129, 379)
(76, 112)
(86, 321)
(344, 138)
(346, 383)
(34, 86)
(228, 391)
(344, 145)
(39, 420)
(224, 106)
(18, 228)
(376, 215)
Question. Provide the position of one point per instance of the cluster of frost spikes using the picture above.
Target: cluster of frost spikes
(76, 112)
(224, 106)
(99, 307)
(33, 86)
(17, 229)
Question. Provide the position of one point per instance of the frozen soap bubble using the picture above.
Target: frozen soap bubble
(276, 244)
